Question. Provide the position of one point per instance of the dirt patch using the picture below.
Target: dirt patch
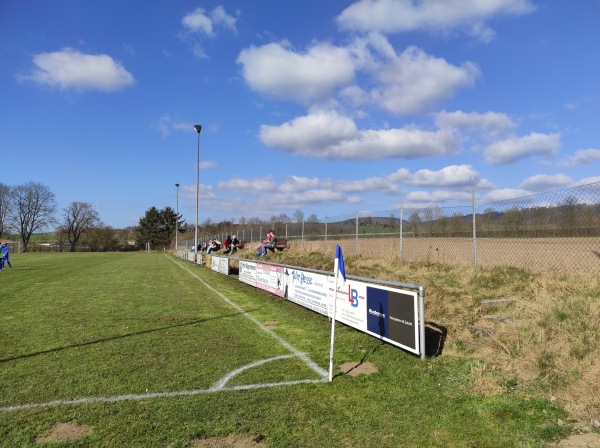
(64, 432)
(229, 442)
(589, 440)
(271, 324)
(358, 368)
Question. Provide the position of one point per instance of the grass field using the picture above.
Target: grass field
(144, 350)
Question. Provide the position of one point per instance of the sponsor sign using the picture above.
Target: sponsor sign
(199, 258)
(351, 307)
(220, 264)
(270, 278)
(307, 289)
(392, 315)
(248, 272)
(386, 313)
(191, 256)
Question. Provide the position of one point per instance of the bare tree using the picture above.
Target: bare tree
(79, 217)
(299, 216)
(5, 205)
(33, 207)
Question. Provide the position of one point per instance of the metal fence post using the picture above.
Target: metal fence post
(325, 233)
(474, 233)
(401, 239)
(356, 240)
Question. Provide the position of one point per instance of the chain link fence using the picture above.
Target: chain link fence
(557, 231)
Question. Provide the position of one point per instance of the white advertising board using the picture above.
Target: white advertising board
(307, 289)
(220, 264)
(270, 278)
(387, 313)
(247, 272)
(199, 258)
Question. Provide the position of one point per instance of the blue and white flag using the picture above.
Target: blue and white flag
(340, 262)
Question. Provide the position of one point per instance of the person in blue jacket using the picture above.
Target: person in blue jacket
(5, 250)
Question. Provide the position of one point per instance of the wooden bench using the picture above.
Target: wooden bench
(279, 245)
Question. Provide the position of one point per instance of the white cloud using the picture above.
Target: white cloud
(490, 125)
(405, 83)
(249, 185)
(166, 123)
(331, 135)
(504, 194)
(582, 157)
(221, 17)
(414, 81)
(589, 180)
(427, 198)
(198, 21)
(71, 69)
(545, 182)
(201, 22)
(514, 149)
(295, 184)
(451, 176)
(394, 16)
(276, 69)
(207, 165)
(454, 184)
(378, 184)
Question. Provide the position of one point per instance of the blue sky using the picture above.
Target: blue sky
(324, 106)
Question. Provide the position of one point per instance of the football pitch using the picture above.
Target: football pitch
(149, 350)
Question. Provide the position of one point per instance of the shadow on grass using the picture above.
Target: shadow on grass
(435, 337)
(121, 336)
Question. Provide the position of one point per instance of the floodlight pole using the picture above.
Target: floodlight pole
(177, 220)
(198, 128)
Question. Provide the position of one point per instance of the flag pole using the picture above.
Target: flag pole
(338, 269)
(335, 271)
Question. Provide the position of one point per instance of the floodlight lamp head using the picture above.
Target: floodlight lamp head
(198, 128)
(177, 185)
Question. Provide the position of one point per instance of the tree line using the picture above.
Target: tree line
(31, 208)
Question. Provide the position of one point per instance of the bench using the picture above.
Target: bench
(280, 245)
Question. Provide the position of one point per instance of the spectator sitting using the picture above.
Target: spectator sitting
(213, 246)
(268, 243)
(233, 245)
(226, 244)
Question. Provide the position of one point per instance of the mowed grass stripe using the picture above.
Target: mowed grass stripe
(80, 325)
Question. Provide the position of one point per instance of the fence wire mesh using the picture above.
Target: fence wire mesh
(554, 231)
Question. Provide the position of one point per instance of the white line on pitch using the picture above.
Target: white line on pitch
(216, 387)
(309, 362)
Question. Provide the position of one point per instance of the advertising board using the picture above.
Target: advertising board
(307, 289)
(247, 272)
(270, 278)
(220, 264)
(387, 313)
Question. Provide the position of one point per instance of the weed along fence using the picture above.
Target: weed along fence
(393, 312)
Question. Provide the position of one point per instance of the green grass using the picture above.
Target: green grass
(81, 325)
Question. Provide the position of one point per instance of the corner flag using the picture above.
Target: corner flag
(338, 271)
(339, 257)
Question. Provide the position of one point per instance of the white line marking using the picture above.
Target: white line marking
(151, 395)
(223, 381)
(290, 347)
(216, 387)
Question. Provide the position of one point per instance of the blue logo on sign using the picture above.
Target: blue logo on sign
(353, 298)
